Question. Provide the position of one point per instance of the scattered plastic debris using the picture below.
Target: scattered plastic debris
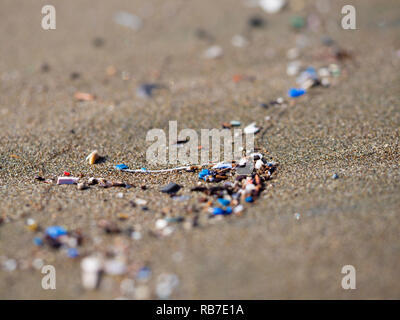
(335, 176)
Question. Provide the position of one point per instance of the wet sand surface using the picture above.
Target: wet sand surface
(350, 128)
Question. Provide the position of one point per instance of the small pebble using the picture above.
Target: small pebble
(82, 186)
(256, 22)
(171, 188)
(83, 96)
(93, 157)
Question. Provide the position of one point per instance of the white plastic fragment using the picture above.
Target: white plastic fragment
(166, 284)
(251, 128)
(293, 53)
(258, 164)
(293, 68)
(242, 162)
(222, 165)
(272, 6)
(90, 268)
(115, 267)
(324, 72)
(128, 20)
(238, 209)
(161, 224)
(140, 202)
(10, 265)
(256, 155)
(239, 41)
(67, 180)
(213, 52)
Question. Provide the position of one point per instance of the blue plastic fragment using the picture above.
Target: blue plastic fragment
(38, 241)
(294, 92)
(146, 90)
(218, 211)
(72, 253)
(121, 166)
(249, 199)
(223, 202)
(144, 273)
(143, 169)
(204, 173)
(312, 73)
(55, 232)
